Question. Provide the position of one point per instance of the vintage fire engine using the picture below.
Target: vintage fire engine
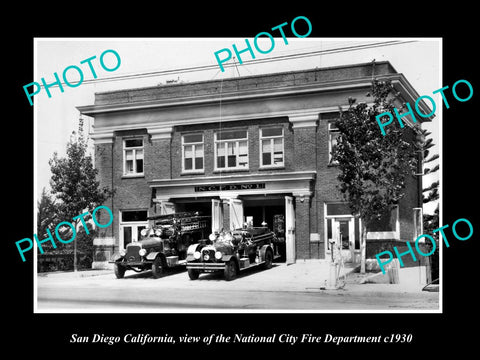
(231, 252)
(163, 245)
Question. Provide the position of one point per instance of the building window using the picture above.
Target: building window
(131, 225)
(387, 227)
(333, 134)
(192, 153)
(271, 145)
(133, 156)
(342, 227)
(231, 149)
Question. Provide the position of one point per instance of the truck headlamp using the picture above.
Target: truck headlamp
(212, 236)
(158, 232)
(196, 255)
(218, 255)
(144, 232)
(142, 252)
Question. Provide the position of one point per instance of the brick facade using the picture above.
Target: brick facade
(252, 127)
(305, 140)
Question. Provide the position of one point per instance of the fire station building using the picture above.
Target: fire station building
(253, 149)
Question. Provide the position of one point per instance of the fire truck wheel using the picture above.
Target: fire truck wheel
(230, 270)
(193, 274)
(268, 259)
(119, 271)
(158, 267)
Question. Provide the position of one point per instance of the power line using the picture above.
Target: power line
(247, 62)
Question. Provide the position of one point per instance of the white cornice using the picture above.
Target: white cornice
(225, 196)
(92, 110)
(300, 117)
(302, 194)
(160, 132)
(398, 80)
(303, 120)
(244, 178)
(297, 182)
(105, 135)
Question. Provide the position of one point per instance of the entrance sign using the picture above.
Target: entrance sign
(230, 187)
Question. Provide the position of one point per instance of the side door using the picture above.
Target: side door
(217, 215)
(167, 207)
(344, 238)
(236, 214)
(130, 233)
(131, 225)
(290, 230)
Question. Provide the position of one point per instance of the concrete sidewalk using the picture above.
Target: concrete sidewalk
(313, 275)
(76, 274)
(306, 276)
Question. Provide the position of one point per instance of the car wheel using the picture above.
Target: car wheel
(268, 259)
(158, 267)
(230, 270)
(193, 274)
(119, 270)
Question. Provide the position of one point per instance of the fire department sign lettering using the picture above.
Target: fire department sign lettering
(230, 187)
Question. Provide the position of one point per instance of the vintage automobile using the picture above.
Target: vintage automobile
(163, 245)
(231, 252)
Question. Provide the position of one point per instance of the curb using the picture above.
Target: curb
(81, 273)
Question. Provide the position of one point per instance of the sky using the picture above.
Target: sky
(419, 59)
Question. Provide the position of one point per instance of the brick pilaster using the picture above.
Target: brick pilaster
(302, 227)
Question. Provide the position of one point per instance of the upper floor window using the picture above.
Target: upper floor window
(133, 156)
(192, 152)
(271, 145)
(231, 149)
(333, 134)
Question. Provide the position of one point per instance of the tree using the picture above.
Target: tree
(431, 221)
(74, 184)
(373, 168)
(46, 216)
(425, 145)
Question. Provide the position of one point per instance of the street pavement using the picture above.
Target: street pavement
(299, 286)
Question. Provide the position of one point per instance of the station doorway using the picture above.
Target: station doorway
(269, 212)
(203, 206)
(263, 211)
(256, 211)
